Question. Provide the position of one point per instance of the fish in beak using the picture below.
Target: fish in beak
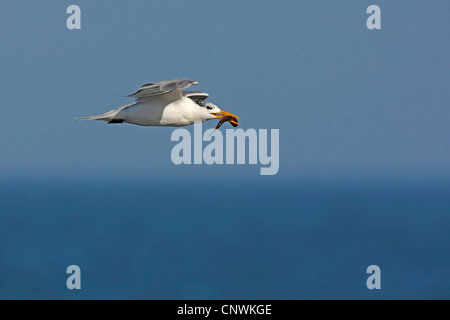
(226, 116)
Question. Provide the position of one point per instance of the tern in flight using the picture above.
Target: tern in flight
(166, 104)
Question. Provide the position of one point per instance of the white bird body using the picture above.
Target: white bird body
(165, 104)
(161, 113)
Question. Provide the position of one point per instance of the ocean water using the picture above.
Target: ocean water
(233, 241)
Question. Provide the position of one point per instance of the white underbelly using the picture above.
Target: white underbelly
(155, 115)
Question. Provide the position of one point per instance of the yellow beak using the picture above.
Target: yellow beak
(222, 113)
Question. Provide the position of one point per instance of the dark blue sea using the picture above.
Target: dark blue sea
(201, 240)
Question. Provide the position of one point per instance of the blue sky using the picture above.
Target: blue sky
(351, 106)
(347, 101)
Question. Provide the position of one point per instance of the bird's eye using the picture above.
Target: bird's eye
(208, 107)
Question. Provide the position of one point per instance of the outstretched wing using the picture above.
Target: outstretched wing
(195, 95)
(149, 90)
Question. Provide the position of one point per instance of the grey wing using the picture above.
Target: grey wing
(195, 95)
(163, 87)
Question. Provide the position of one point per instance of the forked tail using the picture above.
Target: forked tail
(108, 116)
